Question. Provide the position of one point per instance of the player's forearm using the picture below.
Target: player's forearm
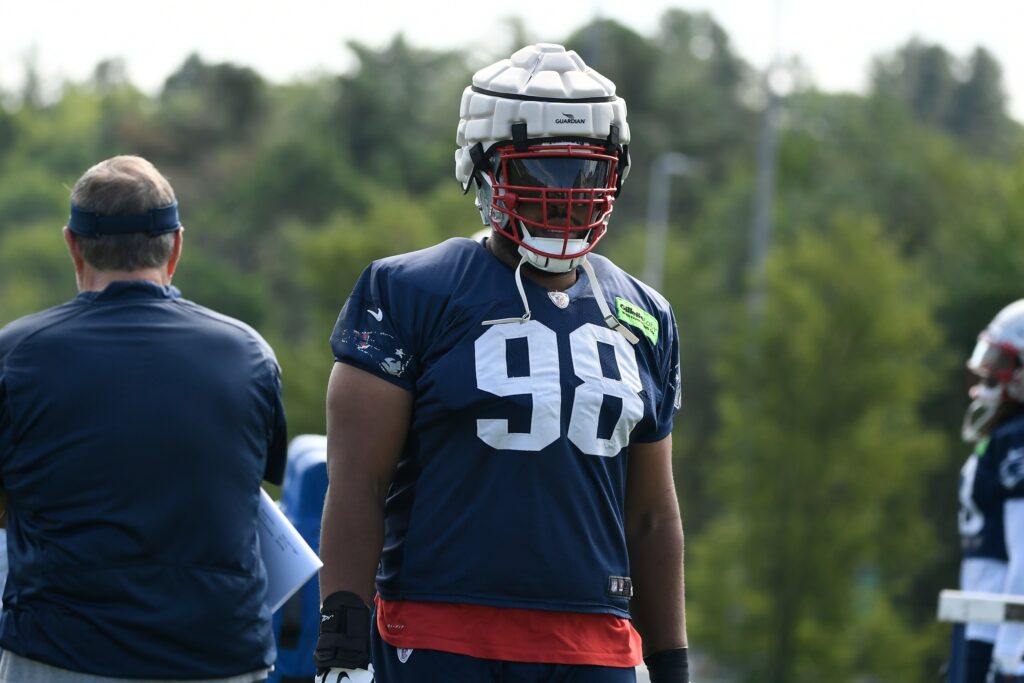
(656, 565)
(367, 420)
(351, 537)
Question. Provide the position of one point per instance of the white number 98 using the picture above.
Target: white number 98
(544, 386)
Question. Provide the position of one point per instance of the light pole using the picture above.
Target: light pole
(664, 166)
(777, 83)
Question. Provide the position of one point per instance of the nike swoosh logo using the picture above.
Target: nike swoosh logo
(378, 314)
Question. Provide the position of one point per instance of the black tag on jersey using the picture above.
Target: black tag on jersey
(620, 587)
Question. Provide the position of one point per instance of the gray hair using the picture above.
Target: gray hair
(124, 185)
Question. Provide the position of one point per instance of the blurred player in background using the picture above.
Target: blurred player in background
(992, 494)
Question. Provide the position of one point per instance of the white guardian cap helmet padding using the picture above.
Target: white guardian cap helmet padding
(550, 89)
(544, 138)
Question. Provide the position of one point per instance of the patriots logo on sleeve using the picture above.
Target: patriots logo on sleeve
(1011, 470)
(396, 363)
(381, 347)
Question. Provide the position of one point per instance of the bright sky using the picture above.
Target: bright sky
(286, 40)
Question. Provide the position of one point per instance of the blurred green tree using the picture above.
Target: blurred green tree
(204, 106)
(977, 112)
(35, 270)
(919, 75)
(964, 98)
(820, 467)
(396, 113)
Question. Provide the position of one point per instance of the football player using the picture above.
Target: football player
(499, 420)
(992, 494)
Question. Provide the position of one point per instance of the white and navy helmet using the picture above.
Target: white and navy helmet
(544, 138)
(998, 363)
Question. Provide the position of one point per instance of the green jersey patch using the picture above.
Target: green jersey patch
(631, 314)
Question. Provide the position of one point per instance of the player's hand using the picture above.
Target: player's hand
(669, 666)
(343, 647)
(337, 675)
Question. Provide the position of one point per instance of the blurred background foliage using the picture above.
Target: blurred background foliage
(817, 451)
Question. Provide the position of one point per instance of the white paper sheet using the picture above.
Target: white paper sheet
(289, 560)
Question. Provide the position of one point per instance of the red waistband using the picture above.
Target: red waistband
(510, 634)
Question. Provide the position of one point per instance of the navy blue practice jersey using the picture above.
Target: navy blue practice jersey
(993, 474)
(981, 507)
(510, 488)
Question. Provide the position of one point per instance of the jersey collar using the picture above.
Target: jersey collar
(132, 289)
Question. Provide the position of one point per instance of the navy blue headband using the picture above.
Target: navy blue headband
(153, 222)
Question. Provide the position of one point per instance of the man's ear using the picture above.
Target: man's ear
(76, 254)
(179, 239)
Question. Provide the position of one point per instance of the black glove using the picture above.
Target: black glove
(343, 648)
(668, 666)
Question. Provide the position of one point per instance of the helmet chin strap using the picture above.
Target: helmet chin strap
(522, 293)
(610, 320)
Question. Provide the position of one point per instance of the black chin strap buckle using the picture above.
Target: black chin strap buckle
(612, 145)
(519, 137)
(476, 153)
